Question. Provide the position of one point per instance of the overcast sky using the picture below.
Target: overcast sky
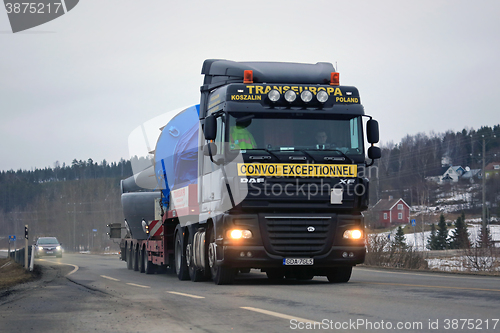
(76, 87)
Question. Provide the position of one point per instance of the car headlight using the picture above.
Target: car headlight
(353, 234)
(238, 234)
(58, 248)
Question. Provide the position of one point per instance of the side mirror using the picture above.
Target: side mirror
(374, 153)
(372, 131)
(210, 128)
(213, 148)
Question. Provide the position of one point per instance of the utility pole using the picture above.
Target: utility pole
(484, 185)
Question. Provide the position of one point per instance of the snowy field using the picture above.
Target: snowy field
(458, 263)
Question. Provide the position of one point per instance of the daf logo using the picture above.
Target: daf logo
(252, 180)
(311, 229)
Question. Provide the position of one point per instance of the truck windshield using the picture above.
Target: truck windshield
(298, 131)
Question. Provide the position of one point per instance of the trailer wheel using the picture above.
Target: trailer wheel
(220, 274)
(142, 256)
(135, 258)
(339, 274)
(149, 267)
(129, 256)
(181, 268)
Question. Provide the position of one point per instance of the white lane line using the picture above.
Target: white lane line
(279, 315)
(61, 263)
(138, 285)
(109, 278)
(182, 294)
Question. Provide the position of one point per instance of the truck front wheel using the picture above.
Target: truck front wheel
(181, 268)
(220, 274)
(339, 274)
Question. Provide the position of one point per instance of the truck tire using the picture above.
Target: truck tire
(128, 251)
(196, 275)
(142, 256)
(135, 259)
(339, 274)
(220, 274)
(149, 267)
(181, 268)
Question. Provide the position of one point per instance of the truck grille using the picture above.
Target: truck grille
(297, 235)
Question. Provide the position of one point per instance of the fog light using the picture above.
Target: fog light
(242, 254)
(351, 254)
(249, 254)
(290, 96)
(344, 254)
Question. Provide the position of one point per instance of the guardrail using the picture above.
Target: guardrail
(18, 256)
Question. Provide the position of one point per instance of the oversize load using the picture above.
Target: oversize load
(297, 170)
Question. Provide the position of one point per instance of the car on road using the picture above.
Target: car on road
(48, 246)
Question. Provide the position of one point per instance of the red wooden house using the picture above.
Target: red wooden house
(392, 211)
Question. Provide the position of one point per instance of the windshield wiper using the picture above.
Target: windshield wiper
(266, 150)
(335, 150)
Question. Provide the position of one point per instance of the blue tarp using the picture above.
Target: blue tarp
(176, 153)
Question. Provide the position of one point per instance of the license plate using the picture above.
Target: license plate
(50, 252)
(298, 261)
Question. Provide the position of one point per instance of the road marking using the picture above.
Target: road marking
(182, 294)
(109, 278)
(61, 263)
(138, 285)
(279, 315)
(425, 286)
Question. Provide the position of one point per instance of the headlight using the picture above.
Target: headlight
(353, 234)
(40, 249)
(290, 96)
(322, 96)
(58, 248)
(306, 96)
(238, 234)
(274, 95)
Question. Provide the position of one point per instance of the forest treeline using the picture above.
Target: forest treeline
(19, 188)
(405, 167)
(72, 202)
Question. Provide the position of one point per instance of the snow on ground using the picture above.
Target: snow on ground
(419, 242)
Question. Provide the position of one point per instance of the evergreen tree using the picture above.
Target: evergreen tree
(460, 236)
(399, 239)
(442, 234)
(484, 240)
(432, 241)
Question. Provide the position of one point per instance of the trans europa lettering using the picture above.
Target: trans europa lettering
(294, 170)
(262, 90)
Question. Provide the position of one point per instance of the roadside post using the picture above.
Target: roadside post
(26, 247)
(413, 223)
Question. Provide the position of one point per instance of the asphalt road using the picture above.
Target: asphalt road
(88, 293)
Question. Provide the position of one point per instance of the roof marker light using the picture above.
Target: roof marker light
(248, 76)
(335, 79)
